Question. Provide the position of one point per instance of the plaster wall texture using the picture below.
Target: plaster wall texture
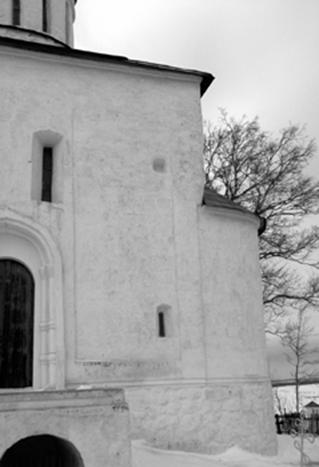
(119, 222)
(128, 223)
(95, 422)
(61, 15)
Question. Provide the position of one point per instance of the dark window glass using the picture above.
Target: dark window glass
(16, 325)
(47, 174)
(16, 11)
(161, 324)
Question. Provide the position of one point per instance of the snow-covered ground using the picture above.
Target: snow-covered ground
(145, 456)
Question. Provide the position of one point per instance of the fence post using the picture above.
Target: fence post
(277, 417)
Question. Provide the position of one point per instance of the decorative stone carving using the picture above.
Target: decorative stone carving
(28, 242)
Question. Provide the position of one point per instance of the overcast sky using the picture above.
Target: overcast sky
(264, 54)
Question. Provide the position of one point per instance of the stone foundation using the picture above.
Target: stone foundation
(204, 418)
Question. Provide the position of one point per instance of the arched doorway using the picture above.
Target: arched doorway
(31, 244)
(42, 451)
(16, 324)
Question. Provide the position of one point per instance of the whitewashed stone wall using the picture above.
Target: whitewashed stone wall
(231, 291)
(234, 403)
(132, 235)
(206, 418)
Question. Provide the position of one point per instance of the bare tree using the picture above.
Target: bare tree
(267, 176)
(301, 354)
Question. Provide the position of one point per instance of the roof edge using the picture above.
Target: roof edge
(206, 78)
(20, 29)
(213, 199)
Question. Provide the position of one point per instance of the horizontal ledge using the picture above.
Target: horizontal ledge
(42, 400)
(175, 382)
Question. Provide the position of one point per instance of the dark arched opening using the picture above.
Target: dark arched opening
(16, 324)
(42, 451)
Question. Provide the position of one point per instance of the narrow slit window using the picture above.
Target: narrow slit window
(16, 12)
(67, 23)
(161, 324)
(47, 174)
(45, 22)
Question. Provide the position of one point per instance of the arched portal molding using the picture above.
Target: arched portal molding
(26, 241)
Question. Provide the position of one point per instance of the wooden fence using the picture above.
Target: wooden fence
(289, 422)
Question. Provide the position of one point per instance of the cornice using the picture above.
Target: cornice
(92, 59)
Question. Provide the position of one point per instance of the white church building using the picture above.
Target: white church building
(130, 302)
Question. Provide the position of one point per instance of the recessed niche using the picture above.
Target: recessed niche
(159, 165)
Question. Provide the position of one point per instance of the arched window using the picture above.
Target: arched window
(16, 324)
(16, 12)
